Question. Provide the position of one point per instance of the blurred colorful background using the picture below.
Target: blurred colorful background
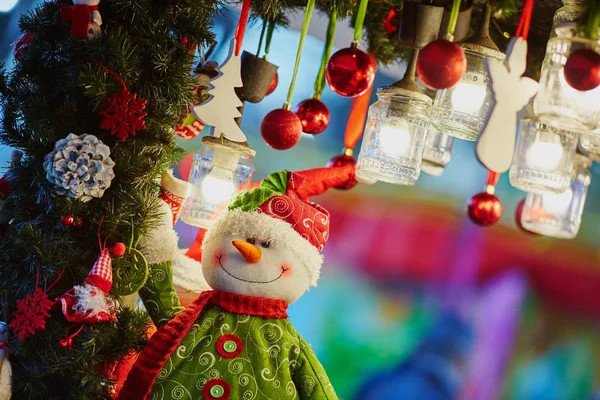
(415, 301)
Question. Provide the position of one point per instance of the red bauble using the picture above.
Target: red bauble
(281, 129)
(341, 161)
(441, 64)
(118, 249)
(484, 209)
(77, 222)
(582, 70)
(273, 84)
(67, 220)
(519, 215)
(350, 72)
(314, 116)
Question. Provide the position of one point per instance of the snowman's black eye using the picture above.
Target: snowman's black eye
(251, 240)
(265, 244)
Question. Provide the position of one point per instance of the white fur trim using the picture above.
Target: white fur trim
(187, 273)
(240, 223)
(92, 300)
(160, 244)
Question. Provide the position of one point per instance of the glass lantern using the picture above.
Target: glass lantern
(557, 103)
(437, 153)
(221, 168)
(394, 138)
(543, 157)
(559, 215)
(591, 144)
(569, 12)
(461, 110)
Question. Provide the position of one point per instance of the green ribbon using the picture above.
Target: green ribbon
(262, 36)
(321, 80)
(592, 19)
(360, 19)
(453, 17)
(307, 16)
(270, 31)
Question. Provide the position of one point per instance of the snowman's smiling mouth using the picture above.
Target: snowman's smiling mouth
(283, 270)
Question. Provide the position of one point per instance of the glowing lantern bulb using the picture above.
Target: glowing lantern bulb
(468, 98)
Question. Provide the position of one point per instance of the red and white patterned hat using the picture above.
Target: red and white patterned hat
(101, 273)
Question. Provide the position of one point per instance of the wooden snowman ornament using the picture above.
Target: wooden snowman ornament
(512, 92)
(5, 368)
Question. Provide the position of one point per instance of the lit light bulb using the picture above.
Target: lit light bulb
(585, 97)
(395, 138)
(7, 5)
(544, 155)
(218, 186)
(557, 204)
(468, 97)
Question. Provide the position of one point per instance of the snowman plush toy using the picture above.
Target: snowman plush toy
(235, 341)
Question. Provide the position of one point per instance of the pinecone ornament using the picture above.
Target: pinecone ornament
(80, 167)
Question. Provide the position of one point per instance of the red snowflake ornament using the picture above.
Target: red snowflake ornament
(31, 314)
(123, 114)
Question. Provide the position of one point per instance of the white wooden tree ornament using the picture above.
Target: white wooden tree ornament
(221, 109)
(512, 92)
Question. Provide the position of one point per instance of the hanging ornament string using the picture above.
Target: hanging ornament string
(592, 20)
(356, 119)
(492, 181)
(240, 30)
(321, 80)
(262, 36)
(525, 20)
(269, 38)
(307, 17)
(453, 19)
(360, 19)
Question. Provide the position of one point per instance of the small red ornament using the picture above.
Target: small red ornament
(66, 343)
(67, 220)
(77, 222)
(441, 64)
(582, 70)
(273, 84)
(216, 389)
(341, 161)
(519, 216)
(123, 114)
(118, 249)
(484, 209)
(281, 129)
(22, 45)
(31, 314)
(314, 116)
(350, 72)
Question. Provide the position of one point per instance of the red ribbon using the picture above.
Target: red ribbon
(390, 27)
(357, 118)
(3, 345)
(525, 20)
(241, 26)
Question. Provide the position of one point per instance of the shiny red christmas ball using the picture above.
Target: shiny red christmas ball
(350, 72)
(582, 70)
(273, 84)
(67, 220)
(484, 209)
(441, 64)
(314, 116)
(77, 222)
(118, 249)
(341, 161)
(281, 129)
(519, 215)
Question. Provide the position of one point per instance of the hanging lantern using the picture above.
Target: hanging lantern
(461, 110)
(394, 138)
(220, 169)
(559, 215)
(437, 153)
(543, 157)
(557, 102)
(591, 144)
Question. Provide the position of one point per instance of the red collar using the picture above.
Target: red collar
(258, 306)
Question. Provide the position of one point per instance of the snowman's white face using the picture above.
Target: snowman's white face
(274, 272)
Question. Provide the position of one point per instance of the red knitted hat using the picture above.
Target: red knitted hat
(101, 273)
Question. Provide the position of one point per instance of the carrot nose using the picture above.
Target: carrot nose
(250, 252)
